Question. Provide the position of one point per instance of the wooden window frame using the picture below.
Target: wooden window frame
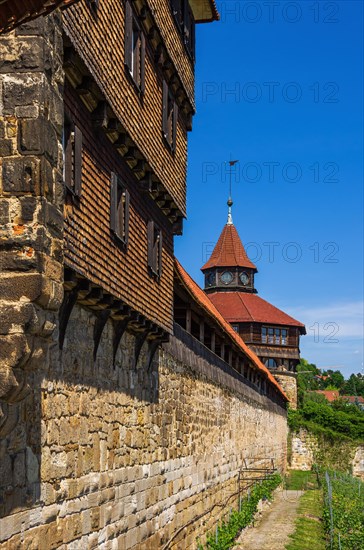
(275, 342)
(170, 118)
(119, 210)
(72, 157)
(134, 49)
(155, 246)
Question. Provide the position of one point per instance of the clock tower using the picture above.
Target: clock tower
(229, 268)
(271, 333)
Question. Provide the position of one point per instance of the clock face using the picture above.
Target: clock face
(244, 278)
(226, 277)
(210, 279)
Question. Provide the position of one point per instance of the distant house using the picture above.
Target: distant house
(330, 395)
(333, 395)
(354, 400)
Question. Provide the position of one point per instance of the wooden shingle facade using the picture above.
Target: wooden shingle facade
(129, 102)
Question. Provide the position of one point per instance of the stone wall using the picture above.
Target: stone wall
(31, 244)
(308, 449)
(304, 447)
(288, 381)
(128, 458)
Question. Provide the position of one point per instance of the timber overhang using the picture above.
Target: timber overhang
(79, 290)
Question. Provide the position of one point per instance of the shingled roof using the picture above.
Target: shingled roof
(229, 251)
(245, 307)
(198, 295)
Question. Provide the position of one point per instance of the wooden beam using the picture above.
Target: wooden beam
(222, 351)
(188, 319)
(213, 341)
(202, 331)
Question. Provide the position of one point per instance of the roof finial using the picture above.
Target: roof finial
(230, 201)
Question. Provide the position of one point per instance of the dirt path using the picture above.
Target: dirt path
(277, 522)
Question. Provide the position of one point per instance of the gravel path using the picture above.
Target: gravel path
(276, 523)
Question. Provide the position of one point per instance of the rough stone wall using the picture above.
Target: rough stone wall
(31, 244)
(288, 381)
(304, 447)
(131, 458)
(358, 462)
(308, 449)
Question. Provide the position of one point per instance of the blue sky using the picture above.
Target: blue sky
(282, 91)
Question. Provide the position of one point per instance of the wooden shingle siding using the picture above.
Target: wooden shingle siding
(90, 248)
(101, 44)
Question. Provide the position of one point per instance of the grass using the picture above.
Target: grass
(309, 531)
(297, 480)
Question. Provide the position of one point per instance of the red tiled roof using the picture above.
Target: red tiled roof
(203, 301)
(353, 398)
(246, 307)
(331, 395)
(229, 251)
(16, 12)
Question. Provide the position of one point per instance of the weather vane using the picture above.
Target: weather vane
(230, 200)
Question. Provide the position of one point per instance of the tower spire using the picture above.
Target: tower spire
(230, 200)
(230, 217)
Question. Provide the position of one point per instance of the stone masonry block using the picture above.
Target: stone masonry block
(31, 28)
(31, 136)
(14, 348)
(6, 147)
(4, 212)
(27, 54)
(23, 259)
(22, 89)
(38, 136)
(16, 315)
(21, 175)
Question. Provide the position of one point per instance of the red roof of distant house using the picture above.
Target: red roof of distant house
(16, 12)
(229, 251)
(246, 307)
(331, 395)
(353, 398)
(203, 301)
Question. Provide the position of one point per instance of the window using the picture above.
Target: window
(189, 30)
(72, 156)
(154, 249)
(134, 48)
(185, 22)
(276, 336)
(119, 209)
(235, 328)
(271, 363)
(170, 115)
